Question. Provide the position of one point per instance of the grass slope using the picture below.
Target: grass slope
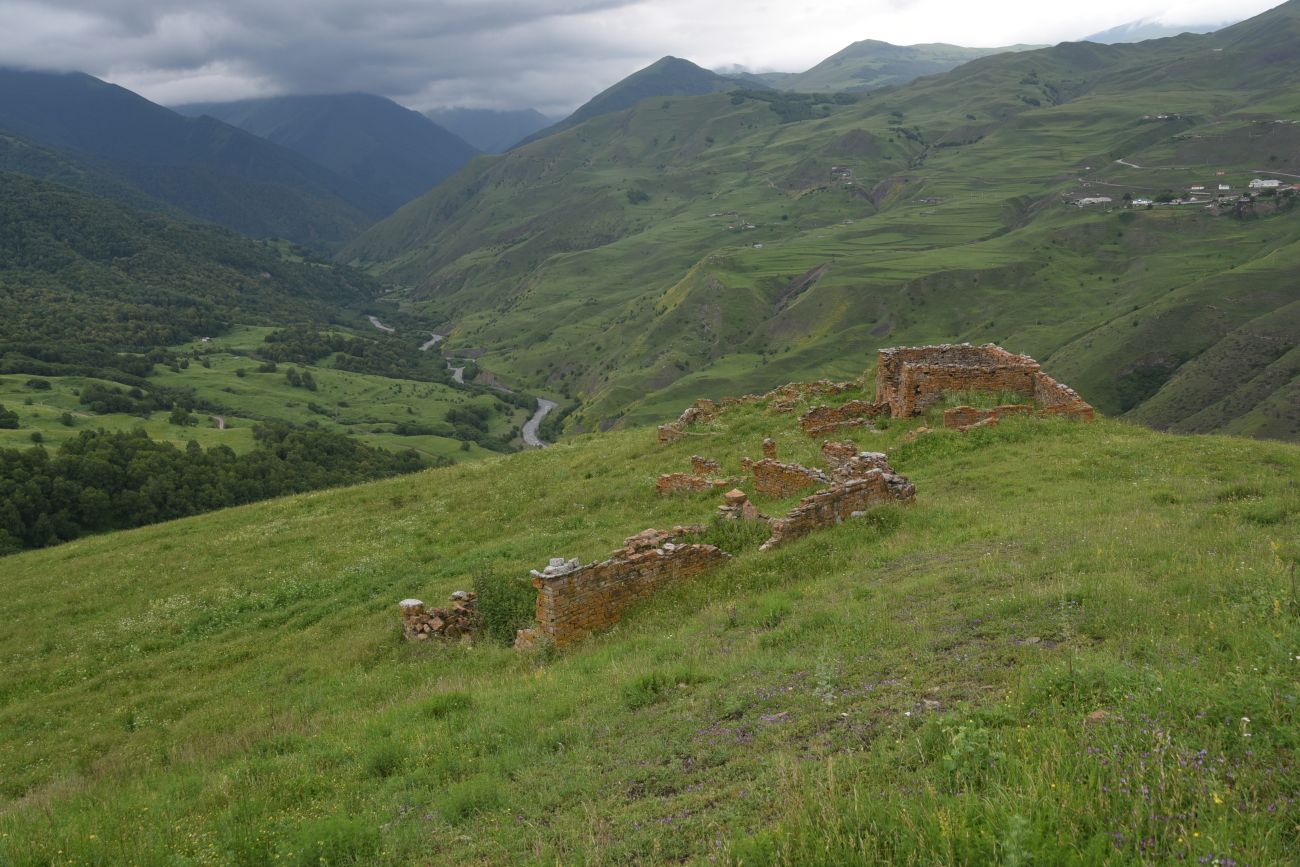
(911, 688)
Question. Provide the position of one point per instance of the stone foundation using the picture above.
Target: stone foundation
(457, 620)
(963, 417)
(777, 480)
(696, 481)
(846, 463)
(685, 483)
(824, 419)
(782, 399)
(839, 502)
(911, 379)
(574, 603)
(703, 466)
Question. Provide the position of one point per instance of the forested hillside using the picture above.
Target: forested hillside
(203, 167)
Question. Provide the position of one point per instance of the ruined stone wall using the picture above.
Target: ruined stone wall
(1058, 399)
(590, 598)
(776, 480)
(910, 379)
(685, 483)
(824, 419)
(703, 466)
(838, 503)
(782, 399)
(962, 417)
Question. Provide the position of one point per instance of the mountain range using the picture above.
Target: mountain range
(391, 152)
(871, 64)
(201, 166)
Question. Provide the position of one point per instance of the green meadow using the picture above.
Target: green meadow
(1078, 646)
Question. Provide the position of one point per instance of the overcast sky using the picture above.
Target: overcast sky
(548, 54)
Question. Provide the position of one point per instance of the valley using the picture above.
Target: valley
(422, 478)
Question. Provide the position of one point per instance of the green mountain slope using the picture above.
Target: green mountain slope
(75, 269)
(95, 296)
(667, 76)
(717, 242)
(1078, 646)
(204, 167)
(489, 130)
(393, 153)
(871, 64)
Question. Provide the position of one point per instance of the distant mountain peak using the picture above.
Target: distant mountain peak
(667, 76)
(391, 151)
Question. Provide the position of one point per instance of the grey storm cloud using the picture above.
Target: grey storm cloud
(548, 54)
(476, 52)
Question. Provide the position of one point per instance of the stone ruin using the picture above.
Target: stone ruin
(782, 399)
(909, 380)
(696, 481)
(457, 620)
(851, 498)
(821, 420)
(778, 481)
(737, 507)
(574, 600)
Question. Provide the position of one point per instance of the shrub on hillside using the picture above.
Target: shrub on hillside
(506, 604)
(335, 841)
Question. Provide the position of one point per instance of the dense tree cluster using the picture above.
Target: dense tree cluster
(111, 481)
(83, 279)
(380, 355)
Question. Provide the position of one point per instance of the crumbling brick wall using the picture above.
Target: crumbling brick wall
(459, 619)
(910, 379)
(840, 501)
(702, 466)
(576, 603)
(1058, 399)
(852, 466)
(824, 419)
(775, 479)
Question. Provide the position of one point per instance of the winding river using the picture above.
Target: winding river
(530, 428)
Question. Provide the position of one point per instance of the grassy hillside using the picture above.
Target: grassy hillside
(707, 245)
(1078, 646)
(198, 165)
(872, 64)
(391, 152)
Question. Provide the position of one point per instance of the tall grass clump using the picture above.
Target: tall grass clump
(506, 604)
